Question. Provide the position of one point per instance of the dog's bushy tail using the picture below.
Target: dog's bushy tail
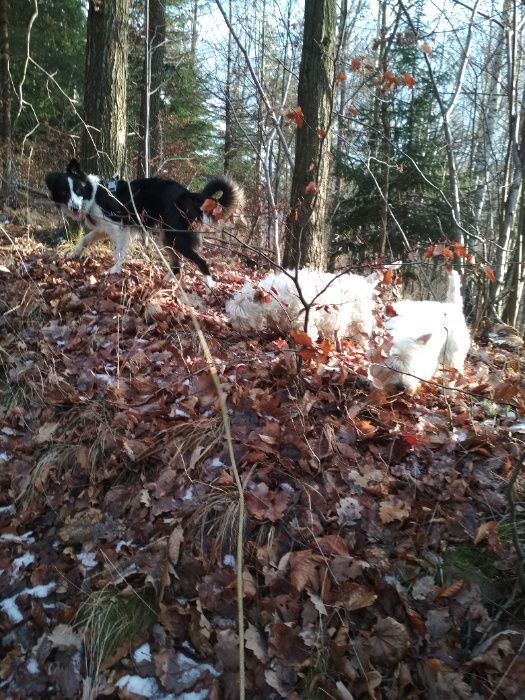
(454, 289)
(232, 197)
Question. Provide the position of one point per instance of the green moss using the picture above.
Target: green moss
(473, 563)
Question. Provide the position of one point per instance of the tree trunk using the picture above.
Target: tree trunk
(5, 101)
(385, 142)
(306, 234)
(513, 174)
(104, 139)
(153, 76)
(228, 111)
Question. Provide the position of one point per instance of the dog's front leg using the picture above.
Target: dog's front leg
(120, 237)
(87, 239)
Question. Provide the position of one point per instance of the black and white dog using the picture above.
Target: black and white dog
(113, 208)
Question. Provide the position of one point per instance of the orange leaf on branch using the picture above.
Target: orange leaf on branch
(208, 206)
(409, 80)
(340, 77)
(320, 132)
(297, 116)
(311, 188)
(389, 77)
(490, 273)
(459, 249)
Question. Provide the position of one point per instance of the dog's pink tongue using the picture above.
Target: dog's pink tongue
(76, 215)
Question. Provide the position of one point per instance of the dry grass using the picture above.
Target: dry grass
(110, 620)
(87, 425)
(187, 444)
(217, 516)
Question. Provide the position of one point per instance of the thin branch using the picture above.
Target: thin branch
(259, 87)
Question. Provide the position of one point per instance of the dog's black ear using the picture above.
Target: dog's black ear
(74, 168)
(52, 179)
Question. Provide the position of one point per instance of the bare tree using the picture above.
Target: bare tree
(153, 77)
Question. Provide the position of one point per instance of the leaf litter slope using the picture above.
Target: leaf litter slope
(375, 561)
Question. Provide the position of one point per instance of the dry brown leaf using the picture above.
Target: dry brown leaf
(388, 641)
(393, 508)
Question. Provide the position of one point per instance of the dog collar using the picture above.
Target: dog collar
(111, 184)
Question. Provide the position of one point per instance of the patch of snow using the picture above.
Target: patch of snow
(10, 537)
(229, 560)
(41, 591)
(23, 561)
(518, 427)
(193, 695)
(122, 543)
(216, 462)
(87, 559)
(146, 687)
(4, 456)
(459, 435)
(7, 509)
(105, 378)
(188, 496)
(191, 670)
(32, 666)
(142, 653)
(179, 412)
(11, 609)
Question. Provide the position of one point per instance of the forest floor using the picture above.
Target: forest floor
(383, 537)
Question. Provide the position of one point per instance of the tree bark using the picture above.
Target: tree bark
(104, 139)
(306, 234)
(5, 101)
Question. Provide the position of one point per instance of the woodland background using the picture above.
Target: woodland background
(410, 132)
(188, 513)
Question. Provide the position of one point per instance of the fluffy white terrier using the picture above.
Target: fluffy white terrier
(424, 336)
(339, 305)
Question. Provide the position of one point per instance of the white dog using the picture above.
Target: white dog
(424, 336)
(339, 305)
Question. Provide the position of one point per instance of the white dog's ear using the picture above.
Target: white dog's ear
(423, 339)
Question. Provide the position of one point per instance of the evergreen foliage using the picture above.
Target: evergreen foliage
(417, 178)
(57, 44)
